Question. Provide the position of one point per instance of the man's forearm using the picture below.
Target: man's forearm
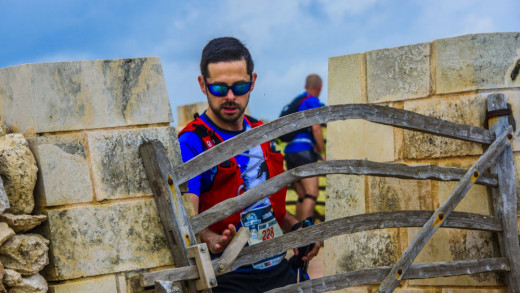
(318, 137)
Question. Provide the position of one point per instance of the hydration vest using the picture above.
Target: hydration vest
(228, 182)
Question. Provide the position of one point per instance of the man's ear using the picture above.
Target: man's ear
(253, 83)
(202, 85)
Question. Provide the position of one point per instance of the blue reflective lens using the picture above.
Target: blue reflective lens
(220, 90)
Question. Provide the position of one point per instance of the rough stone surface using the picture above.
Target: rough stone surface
(481, 61)
(380, 248)
(63, 170)
(103, 239)
(32, 284)
(62, 96)
(2, 275)
(398, 73)
(25, 253)
(359, 139)
(5, 233)
(457, 244)
(18, 170)
(12, 278)
(468, 109)
(117, 167)
(104, 284)
(392, 194)
(4, 200)
(22, 223)
(3, 128)
(347, 79)
(345, 196)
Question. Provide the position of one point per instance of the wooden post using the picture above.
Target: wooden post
(169, 204)
(504, 197)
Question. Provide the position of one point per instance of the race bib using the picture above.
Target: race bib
(263, 226)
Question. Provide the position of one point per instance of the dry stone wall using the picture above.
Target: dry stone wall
(22, 255)
(84, 122)
(448, 79)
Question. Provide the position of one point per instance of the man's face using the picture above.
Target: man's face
(229, 108)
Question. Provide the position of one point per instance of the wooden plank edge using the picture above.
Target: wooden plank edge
(416, 271)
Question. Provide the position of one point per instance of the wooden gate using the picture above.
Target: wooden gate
(197, 272)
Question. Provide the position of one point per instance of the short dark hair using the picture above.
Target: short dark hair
(225, 49)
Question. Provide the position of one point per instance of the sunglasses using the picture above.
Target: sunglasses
(221, 90)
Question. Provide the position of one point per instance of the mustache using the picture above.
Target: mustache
(230, 104)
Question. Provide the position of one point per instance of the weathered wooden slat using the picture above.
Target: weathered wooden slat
(441, 214)
(220, 266)
(358, 223)
(169, 203)
(377, 114)
(504, 197)
(326, 230)
(358, 167)
(416, 271)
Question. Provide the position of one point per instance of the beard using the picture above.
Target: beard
(218, 111)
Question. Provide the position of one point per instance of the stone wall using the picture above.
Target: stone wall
(448, 79)
(84, 122)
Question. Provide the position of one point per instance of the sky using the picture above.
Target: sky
(288, 39)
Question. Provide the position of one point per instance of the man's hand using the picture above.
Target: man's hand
(312, 253)
(217, 243)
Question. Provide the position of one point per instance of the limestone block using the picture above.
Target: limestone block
(361, 250)
(32, 284)
(478, 61)
(22, 223)
(62, 96)
(347, 80)
(185, 113)
(466, 109)
(398, 74)
(4, 200)
(18, 170)
(457, 244)
(25, 253)
(117, 167)
(5, 233)
(12, 278)
(63, 170)
(477, 200)
(121, 283)
(359, 139)
(104, 284)
(103, 239)
(345, 196)
(392, 194)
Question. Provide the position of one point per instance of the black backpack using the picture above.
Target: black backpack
(290, 108)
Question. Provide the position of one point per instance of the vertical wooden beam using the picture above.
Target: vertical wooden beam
(169, 204)
(504, 197)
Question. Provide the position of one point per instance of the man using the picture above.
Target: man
(227, 79)
(307, 147)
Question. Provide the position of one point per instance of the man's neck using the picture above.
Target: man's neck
(313, 92)
(237, 125)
